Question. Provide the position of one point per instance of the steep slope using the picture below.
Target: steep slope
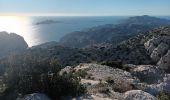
(10, 43)
(148, 48)
(113, 34)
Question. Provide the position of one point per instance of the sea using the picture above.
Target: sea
(40, 29)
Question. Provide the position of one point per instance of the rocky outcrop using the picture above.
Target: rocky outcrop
(35, 96)
(164, 62)
(10, 43)
(159, 51)
(104, 82)
(140, 83)
(149, 74)
(101, 72)
(158, 46)
(138, 95)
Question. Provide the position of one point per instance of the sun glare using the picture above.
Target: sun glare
(16, 24)
(11, 24)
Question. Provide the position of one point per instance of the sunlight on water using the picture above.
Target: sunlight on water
(18, 25)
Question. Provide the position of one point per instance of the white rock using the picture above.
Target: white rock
(164, 62)
(138, 95)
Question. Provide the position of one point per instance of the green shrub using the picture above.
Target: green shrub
(81, 73)
(116, 64)
(163, 96)
(30, 74)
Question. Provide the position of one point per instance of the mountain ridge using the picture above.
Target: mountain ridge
(113, 34)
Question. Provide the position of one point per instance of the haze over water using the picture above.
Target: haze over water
(35, 34)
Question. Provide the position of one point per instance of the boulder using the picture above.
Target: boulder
(35, 96)
(148, 73)
(138, 95)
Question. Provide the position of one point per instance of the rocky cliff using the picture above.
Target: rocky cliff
(10, 43)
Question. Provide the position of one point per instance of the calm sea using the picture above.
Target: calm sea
(65, 25)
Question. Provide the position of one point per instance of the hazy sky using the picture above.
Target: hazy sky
(85, 7)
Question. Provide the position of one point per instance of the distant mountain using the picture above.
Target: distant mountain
(145, 20)
(113, 34)
(10, 43)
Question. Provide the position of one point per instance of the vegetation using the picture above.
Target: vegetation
(163, 96)
(110, 80)
(116, 64)
(81, 73)
(27, 74)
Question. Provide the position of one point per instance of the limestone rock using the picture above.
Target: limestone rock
(138, 95)
(159, 51)
(164, 62)
(148, 73)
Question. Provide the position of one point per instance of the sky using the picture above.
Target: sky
(85, 7)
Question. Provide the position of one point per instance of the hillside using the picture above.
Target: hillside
(147, 48)
(113, 34)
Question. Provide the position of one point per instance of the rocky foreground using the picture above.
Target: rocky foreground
(141, 82)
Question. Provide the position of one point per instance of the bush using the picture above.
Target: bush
(116, 64)
(163, 96)
(30, 74)
(122, 86)
(81, 73)
(110, 80)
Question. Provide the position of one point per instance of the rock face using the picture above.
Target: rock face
(164, 62)
(138, 95)
(148, 73)
(10, 43)
(35, 96)
(158, 46)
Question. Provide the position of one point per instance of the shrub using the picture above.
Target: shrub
(122, 86)
(31, 74)
(81, 73)
(116, 64)
(110, 80)
(163, 96)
